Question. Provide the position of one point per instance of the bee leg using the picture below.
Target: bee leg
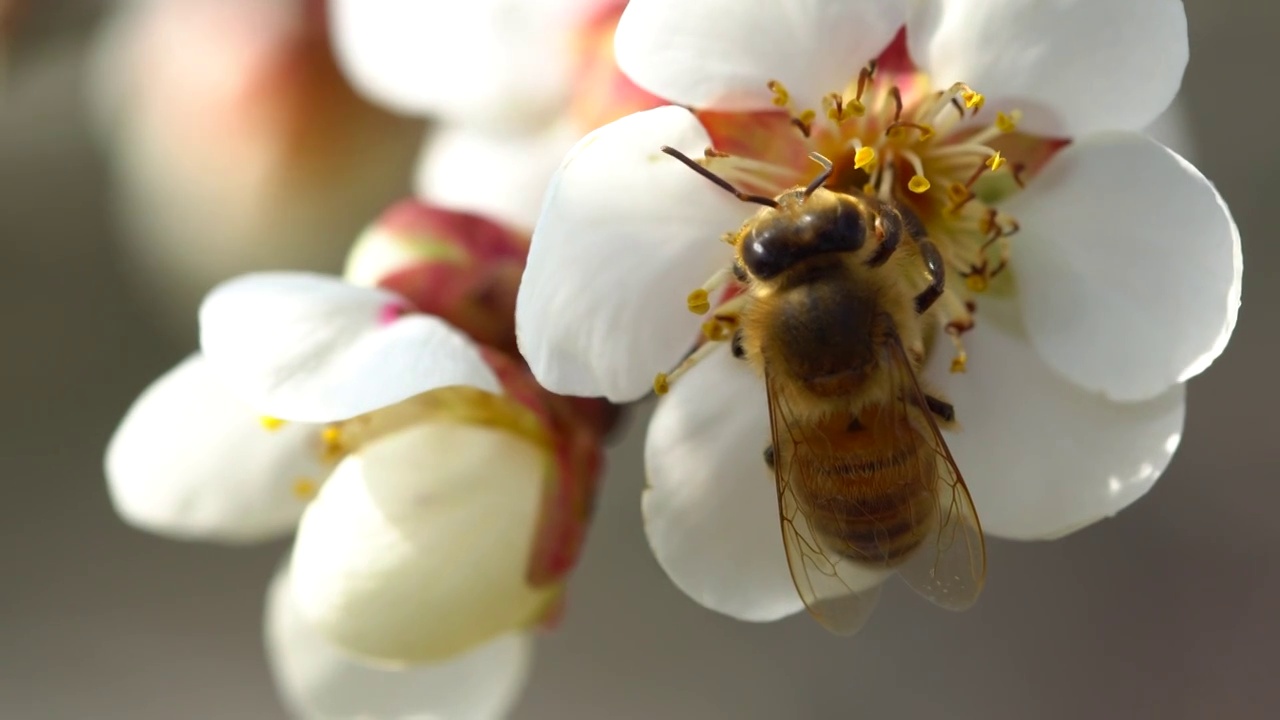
(735, 345)
(937, 275)
(768, 456)
(889, 233)
(943, 409)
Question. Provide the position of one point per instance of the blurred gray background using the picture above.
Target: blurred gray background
(1169, 611)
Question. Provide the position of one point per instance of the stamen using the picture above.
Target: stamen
(699, 301)
(918, 183)
(995, 162)
(961, 358)
(662, 383)
(781, 97)
(270, 424)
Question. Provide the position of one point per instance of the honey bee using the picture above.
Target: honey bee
(866, 484)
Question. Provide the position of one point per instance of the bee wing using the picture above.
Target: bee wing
(838, 592)
(951, 569)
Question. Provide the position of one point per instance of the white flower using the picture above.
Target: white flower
(234, 142)
(514, 83)
(439, 496)
(1127, 267)
(191, 461)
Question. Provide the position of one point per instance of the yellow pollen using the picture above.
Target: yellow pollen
(304, 488)
(976, 282)
(854, 108)
(781, 97)
(973, 100)
(959, 362)
(660, 384)
(330, 435)
(918, 184)
(270, 423)
(698, 302)
(716, 330)
(995, 162)
(864, 157)
(1007, 123)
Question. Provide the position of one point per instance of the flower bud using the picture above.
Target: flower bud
(457, 266)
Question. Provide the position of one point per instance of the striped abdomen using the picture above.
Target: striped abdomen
(867, 499)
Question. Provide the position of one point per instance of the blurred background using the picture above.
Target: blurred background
(1168, 611)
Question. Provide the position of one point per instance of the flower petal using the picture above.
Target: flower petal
(1130, 268)
(497, 63)
(1072, 67)
(1042, 457)
(711, 507)
(418, 546)
(318, 681)
(310, 347)
(501, 176)
(626, 233)
(192, 462)
(721, 54)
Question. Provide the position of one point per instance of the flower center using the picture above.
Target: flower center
(893, 138)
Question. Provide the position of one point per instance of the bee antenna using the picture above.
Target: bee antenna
(758, 199)
(826, 173)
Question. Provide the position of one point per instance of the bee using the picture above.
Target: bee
(866, 484)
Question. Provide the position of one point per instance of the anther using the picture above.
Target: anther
(270, 423)
(661, 385)
(1008, 123)
(304, 488)
(698, 302)
(973, 100)
(918, 184)
(976, 281)
(330, 435)
(781, 97)
(995, 162)
(864, 157)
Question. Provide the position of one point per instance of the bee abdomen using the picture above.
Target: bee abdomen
(874, 510)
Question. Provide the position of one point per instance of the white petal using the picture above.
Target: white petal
(418, 547)
(319, 682)
(500, 176)
(626, 233)
(192, 462)
(723, 53)
(302, 346)
(1129, 268)
(1072, 66)
(711, 507)
(1042, 457)
(496, 63)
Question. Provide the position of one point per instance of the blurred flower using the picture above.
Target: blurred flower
(235, 143)
(514, 82)
(440, 496)
(1123, 283)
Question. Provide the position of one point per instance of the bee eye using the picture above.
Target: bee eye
(768, 251)
(838, 229)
